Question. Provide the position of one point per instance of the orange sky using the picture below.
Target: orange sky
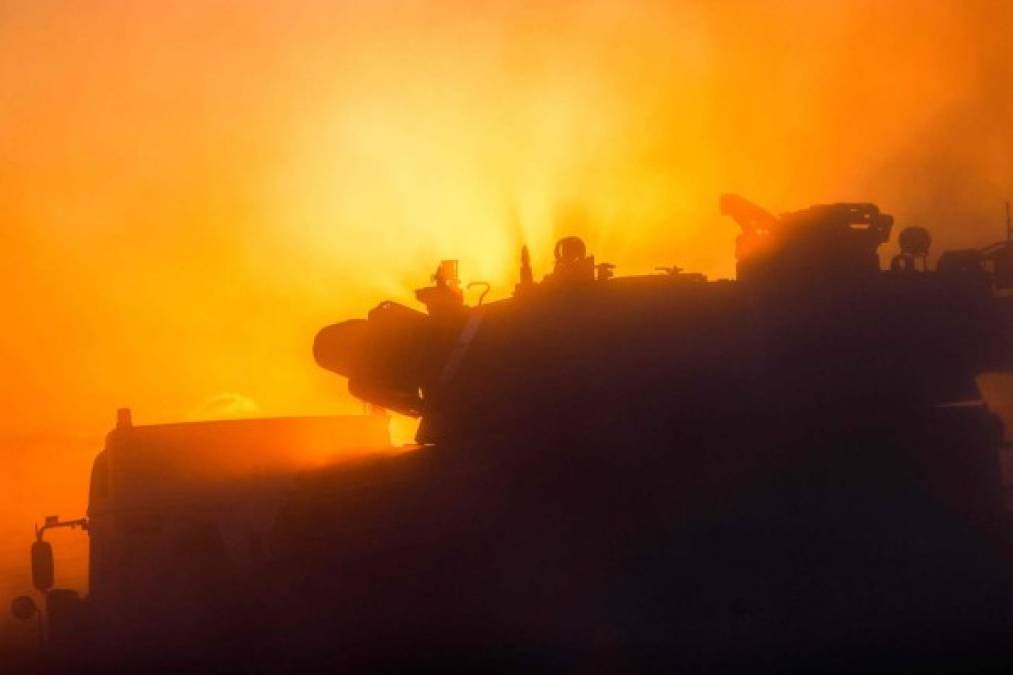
(189, 190)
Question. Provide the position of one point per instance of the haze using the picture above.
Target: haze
(189, 190)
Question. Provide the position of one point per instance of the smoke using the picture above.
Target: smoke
(190, 190)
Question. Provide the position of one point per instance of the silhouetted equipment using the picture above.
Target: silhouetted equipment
(42, 552)
(384, 357)
(794, 457)
(914, 246)
(679, 273)
(998, 258)
(915, 241)
(991, 265)
(572, 262)
(998, 262)
(24, 608)
(526, 275)
(1002, 257)
(179, 522)
(826, 240)
(42, 565)
(66, 619)
(753, 219)
(569, 252)
(485, 285)
(787, 471)
(812, 319)
(445, 295)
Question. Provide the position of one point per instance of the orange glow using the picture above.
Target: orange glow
(190, 190)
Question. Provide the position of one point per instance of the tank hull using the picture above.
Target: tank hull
(870, 550)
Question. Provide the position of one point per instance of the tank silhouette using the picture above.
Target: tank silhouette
(794, 469)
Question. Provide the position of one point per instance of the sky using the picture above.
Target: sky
(189, 190)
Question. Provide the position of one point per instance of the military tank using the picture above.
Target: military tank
(791, 469)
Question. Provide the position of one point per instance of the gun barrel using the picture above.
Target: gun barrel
(385, 357)
(339, 347)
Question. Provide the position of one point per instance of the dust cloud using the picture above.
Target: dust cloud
(190, 190)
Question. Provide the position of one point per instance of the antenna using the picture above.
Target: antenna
(1009, 223)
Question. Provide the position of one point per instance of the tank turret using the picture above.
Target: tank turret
(811, 324)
